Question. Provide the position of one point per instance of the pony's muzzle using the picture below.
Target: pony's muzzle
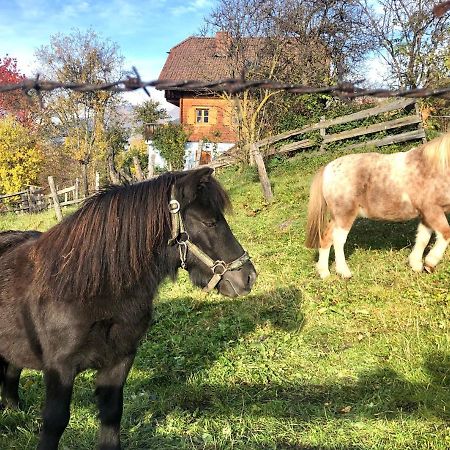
(235, 283)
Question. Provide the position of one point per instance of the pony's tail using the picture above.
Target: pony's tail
(317, 212)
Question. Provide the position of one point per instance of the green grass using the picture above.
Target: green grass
(300, 363)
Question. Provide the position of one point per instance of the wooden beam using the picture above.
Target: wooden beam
(15, 194)
(56, 205)
(391, 106)
(388, 140)
(263, 177)
(375, 128)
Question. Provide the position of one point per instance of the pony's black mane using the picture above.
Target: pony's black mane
(117, 238)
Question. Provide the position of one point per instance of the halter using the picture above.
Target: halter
(181, 237)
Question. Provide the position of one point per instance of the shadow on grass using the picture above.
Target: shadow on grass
(379, 235)
(189, 336)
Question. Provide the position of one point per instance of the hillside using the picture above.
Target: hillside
(300, 363)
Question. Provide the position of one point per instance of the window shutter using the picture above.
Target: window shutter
(213, 116)
(191, 116)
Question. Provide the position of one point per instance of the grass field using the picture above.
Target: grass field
(299, 364)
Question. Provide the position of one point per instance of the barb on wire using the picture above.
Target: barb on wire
(230, 85)
(138, 78)
(441, 8)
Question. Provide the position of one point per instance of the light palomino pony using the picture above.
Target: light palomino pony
(396, 187)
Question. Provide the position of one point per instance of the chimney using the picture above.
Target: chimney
(223, 41)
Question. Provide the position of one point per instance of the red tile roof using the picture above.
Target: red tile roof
(197, 58)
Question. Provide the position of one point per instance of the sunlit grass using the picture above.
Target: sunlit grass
(298, 364)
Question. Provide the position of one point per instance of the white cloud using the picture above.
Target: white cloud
(193, 6)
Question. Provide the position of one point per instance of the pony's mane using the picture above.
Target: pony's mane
(436, 152)
(111, 242)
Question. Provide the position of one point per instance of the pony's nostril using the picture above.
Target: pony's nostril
(251, 279)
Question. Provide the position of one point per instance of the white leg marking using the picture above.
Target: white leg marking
(438, 250)
(339, 238)
(422, 238)
(322, 263)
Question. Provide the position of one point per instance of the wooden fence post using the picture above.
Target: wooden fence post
(76, 192)
(265, 182)
(97, 181)
(420, 124)
(323, 133)
(56, 204)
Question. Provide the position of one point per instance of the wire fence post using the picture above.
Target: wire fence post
(263, 177)
(56, 204)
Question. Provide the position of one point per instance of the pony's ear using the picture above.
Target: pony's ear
(187, 187)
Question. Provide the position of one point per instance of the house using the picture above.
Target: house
(206, 115)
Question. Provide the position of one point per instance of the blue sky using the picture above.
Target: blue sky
(144, 30)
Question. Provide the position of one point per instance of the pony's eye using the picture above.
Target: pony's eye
(210, 224)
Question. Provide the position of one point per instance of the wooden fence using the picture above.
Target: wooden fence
(31, 199)
(273, 144)
(267, 146)
(67, 196)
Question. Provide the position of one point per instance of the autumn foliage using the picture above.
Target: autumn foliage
(14, 102)
(20, 156)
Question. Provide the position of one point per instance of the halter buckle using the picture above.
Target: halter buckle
(221, 265)
(182, 238)
(174, 206)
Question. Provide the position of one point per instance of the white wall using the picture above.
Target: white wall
(192, 147)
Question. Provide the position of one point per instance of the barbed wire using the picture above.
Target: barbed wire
(441, 8)
(228, 85)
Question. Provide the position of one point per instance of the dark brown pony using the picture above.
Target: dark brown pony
(10, 375)
(80, 295)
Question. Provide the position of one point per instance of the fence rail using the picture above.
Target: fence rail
(71, 195)
(31, 199)
(267, 145)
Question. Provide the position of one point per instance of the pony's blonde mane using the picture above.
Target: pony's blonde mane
(437, 152)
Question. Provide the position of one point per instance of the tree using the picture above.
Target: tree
(13, 102)
(131, 160)
(148, 112)
(81, 118)
(170, 140)
(306, 41)
(117, 137)
(20, 156)
(412, 41)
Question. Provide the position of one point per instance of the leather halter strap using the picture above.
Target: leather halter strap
(181, 237)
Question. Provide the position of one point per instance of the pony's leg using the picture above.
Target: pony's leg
(324, 252)
(339, 237)
(109, 395)
(437, 220)
(422, 238)
(56, 414)
(10, 391)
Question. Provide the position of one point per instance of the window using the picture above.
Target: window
(202, 115)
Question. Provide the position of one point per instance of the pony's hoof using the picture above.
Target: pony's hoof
(343, 271)
(346, 276)
(323, 271)
(324, 275)
(416, 266)
(428, 269)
